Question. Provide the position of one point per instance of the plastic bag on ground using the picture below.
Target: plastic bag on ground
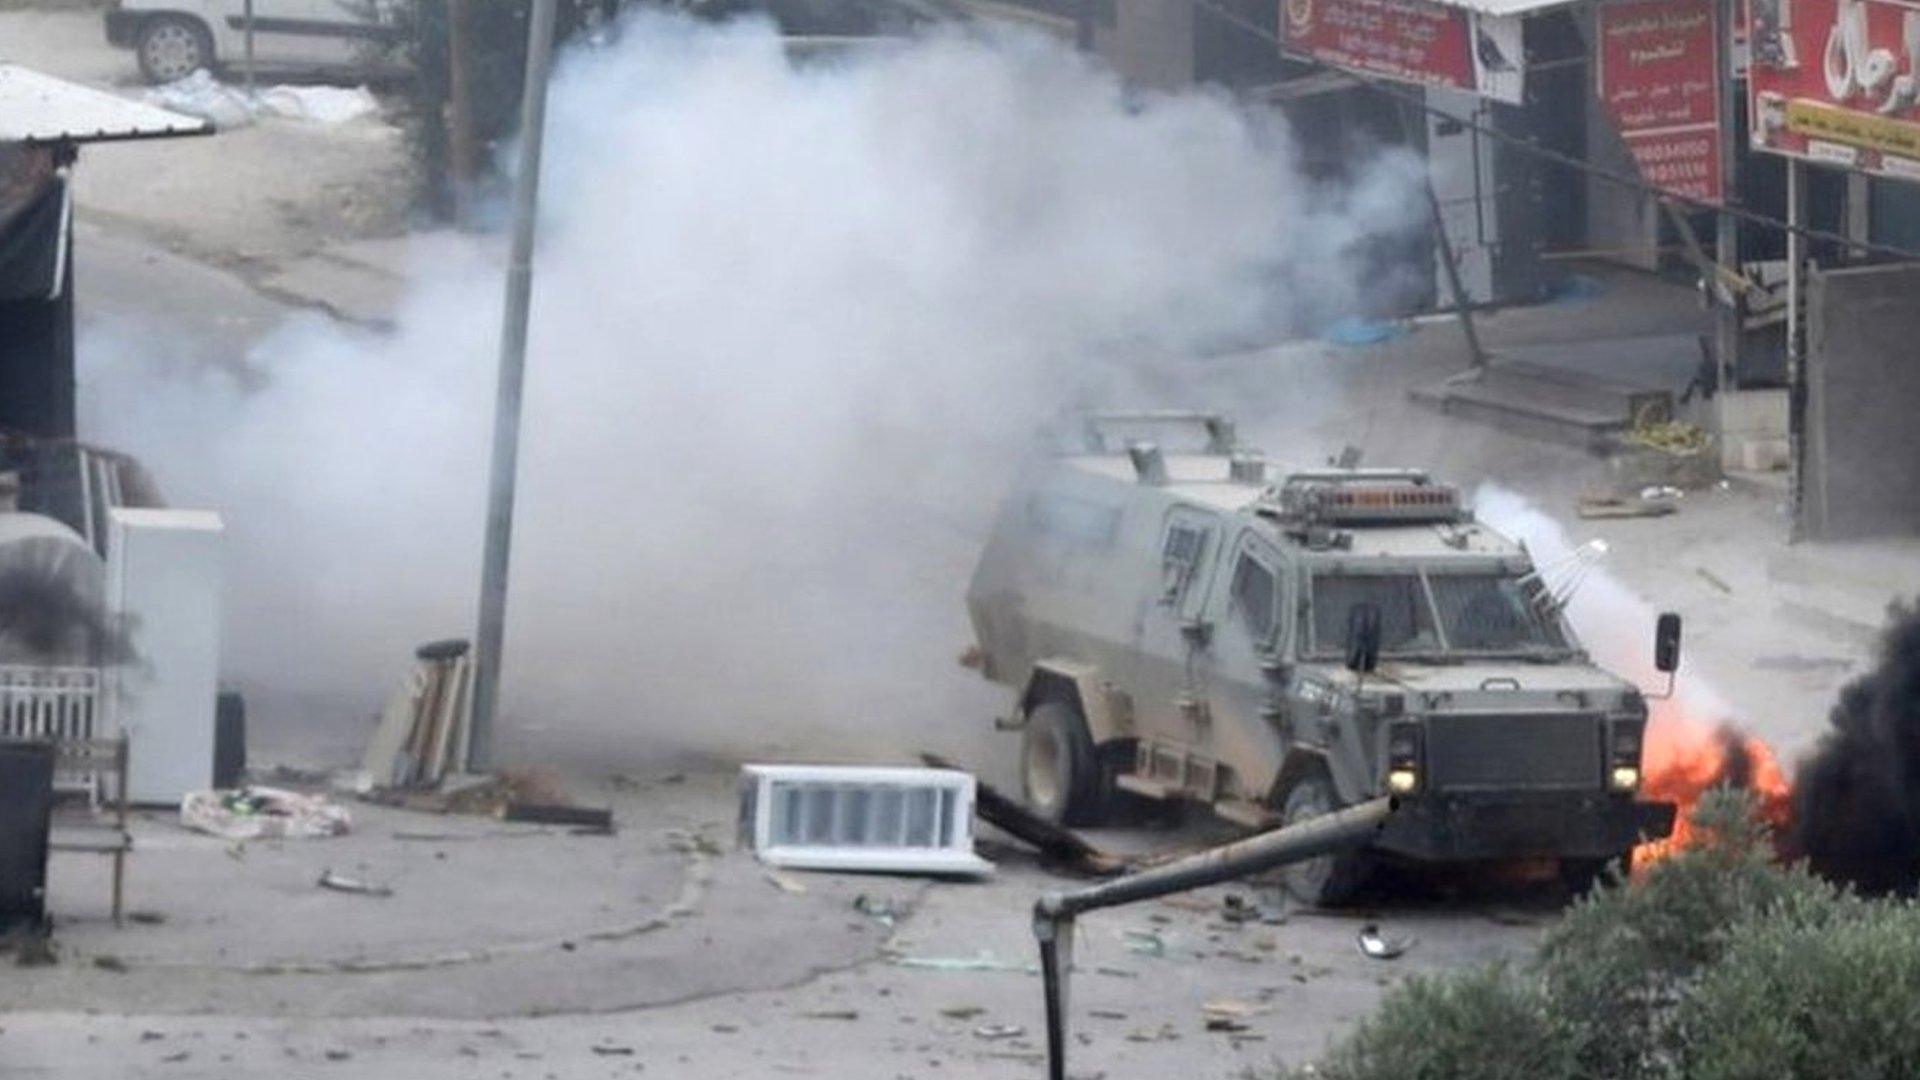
(262, 813)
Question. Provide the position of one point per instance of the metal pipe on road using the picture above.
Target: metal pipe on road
(506, 407)
(1053, 913)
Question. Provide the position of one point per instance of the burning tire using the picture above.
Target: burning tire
(1328, 880)
(1060, 771)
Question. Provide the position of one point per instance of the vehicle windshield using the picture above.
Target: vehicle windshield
(1463, 613)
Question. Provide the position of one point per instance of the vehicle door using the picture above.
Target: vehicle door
(318, 35)
(1171, 636)
(1250, 613)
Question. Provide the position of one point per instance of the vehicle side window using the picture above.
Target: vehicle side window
(1252, 597)
(1180, 557)
(1078, 523)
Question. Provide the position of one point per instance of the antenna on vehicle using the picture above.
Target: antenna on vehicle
(1572, 570)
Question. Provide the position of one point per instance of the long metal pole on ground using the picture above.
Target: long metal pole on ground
(506, 407)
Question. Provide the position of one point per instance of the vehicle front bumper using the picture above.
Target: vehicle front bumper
(1522, 825)
(123, 27)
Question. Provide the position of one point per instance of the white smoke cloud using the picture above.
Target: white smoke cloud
(1613, 622)
(792, 327)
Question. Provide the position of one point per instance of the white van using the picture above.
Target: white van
(173, 38)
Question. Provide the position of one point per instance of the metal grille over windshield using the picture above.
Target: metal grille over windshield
(1477, 614)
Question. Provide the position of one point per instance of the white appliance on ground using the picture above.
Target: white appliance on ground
(163, 584)
(861, 818)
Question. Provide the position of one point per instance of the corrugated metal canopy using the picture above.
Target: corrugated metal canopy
(38, 109)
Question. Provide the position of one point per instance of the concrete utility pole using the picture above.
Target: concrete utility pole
(506, 407)
(463, 149)
(247, 13)
(1726, 243)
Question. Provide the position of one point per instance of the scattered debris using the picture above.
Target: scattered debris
(1613, 506)
(985, 961)
(340, 883)
(255, 813)
(200, 94)
(883, 908)
(1106, 1014)
(1052, 841)
(1377, 946)
(146, 918)
(1163, 1033)
(1229, 1014)
(1145, 942)
(688, 842)
(784, 881)
(1713, 579)
(111, 963)
(581, 818)
(423, 731)
(831, 1014)
(962, 1012)
(609, 1050)
(996, 1032)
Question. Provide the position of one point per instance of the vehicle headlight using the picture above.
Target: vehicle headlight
(1403, 757)
(1624, 778)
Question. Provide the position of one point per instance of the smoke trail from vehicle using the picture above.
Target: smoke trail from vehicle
(1613, 622)
(1692, 744)
(1856, 805)
(792, 327)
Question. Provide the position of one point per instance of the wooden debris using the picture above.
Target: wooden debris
(1051, 840)
(1609, 506)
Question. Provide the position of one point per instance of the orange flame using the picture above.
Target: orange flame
(1683, 758)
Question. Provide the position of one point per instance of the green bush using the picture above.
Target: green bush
(1791, 999)
(1485, 1024)
(1720, 964)
(1615, 968)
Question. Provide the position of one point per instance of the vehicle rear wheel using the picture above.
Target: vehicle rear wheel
(172, 47)
(1581, 875)
(1326, 880)
(1060, 772)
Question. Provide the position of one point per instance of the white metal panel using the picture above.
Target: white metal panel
(38, 108)
(164, 579)
(839, 817)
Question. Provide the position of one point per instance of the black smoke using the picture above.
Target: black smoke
(45, 618)
(1856, 798)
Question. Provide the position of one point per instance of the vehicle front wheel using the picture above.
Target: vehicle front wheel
(1060, 772)
(172, 47)
(1325, 880)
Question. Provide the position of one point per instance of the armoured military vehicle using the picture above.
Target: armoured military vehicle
(1203, 626)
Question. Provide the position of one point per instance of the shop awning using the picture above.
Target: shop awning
(39, 110)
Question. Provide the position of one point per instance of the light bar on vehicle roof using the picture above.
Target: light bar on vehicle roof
(1357, 498)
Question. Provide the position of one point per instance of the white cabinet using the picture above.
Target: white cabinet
(163, 583)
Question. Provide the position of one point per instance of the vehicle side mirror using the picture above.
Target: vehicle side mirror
(1666, 643)
(1363, 638)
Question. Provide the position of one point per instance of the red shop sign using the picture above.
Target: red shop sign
(1837, 81)
(1414, 40)
(1656, 78)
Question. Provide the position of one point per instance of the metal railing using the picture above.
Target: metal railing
(54, 704)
